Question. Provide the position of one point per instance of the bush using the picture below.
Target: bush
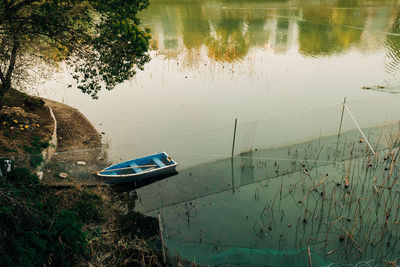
(71, 243)
(33, 231)
(89, 208)
(22, 175)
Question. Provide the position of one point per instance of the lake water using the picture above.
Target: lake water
(280, 68)
(265, 207)
(214, 61)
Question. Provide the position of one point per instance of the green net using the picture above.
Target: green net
(212, 254)
(264, 206)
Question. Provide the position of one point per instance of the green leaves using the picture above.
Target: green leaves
(100, 40)
(119, 47)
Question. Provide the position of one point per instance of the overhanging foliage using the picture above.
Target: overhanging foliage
(101, 40)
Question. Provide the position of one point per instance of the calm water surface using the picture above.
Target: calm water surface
(280, 67)
(214, 61)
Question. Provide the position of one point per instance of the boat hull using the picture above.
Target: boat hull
(137, 170)
(139, 178)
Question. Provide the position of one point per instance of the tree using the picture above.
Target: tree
(100, 40)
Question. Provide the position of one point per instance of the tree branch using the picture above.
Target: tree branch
(2, 78)
(12, 60)
(16, 7)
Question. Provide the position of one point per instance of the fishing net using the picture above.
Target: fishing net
(348, 212)
(213, 254)
(285, 189)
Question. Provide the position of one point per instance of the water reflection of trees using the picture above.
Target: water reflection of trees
(194, 31)
(257, 34)
(393, 44)
(228, 30)
(227, 41)
(328, 31)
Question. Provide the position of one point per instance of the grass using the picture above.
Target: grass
(41, 226)
(35, 149)
(34, 231)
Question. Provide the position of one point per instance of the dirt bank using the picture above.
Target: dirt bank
(79, 150)
(74, 131)
(25, 125)
(26, 128)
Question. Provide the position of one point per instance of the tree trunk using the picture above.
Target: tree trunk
(6, 78)
(4, 87)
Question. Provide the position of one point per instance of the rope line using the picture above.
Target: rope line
(358, 126)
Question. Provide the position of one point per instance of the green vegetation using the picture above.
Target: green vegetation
(41, 226)
(35, 149)
(33, 230)
(100, 40)
(88, 208)
(9, 149)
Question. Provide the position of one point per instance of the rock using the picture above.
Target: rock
(40, 175)
(62, 175)
(80, 162)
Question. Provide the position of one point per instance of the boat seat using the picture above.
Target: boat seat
(133, 164)
(158, 162)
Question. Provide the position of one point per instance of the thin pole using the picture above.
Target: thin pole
(340, 127)
(233, 150)
(162, 238)
(234, 137)
(365, 138)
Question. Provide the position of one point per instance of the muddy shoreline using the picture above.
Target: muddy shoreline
(79, 151)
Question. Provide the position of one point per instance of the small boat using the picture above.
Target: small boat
(135, 170)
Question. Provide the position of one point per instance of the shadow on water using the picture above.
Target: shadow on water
(127, 187)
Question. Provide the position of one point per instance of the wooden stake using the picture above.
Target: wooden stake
(162, 238)
(234, 137)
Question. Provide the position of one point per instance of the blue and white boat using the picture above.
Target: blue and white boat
(135, 170)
